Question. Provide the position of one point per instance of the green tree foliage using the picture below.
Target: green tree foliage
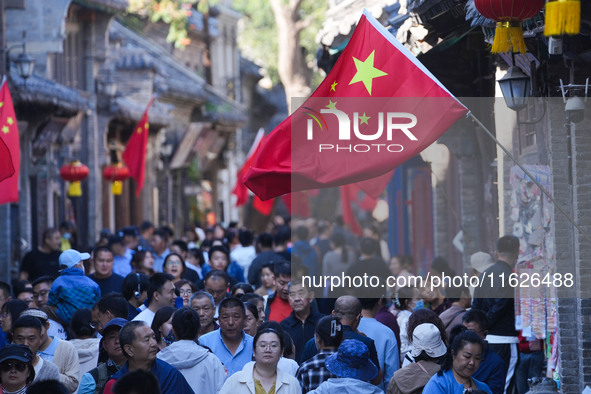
(258, 40)
(175, 13)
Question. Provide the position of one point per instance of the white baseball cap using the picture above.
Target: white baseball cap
(71, 257)
(426, 337)
(481, 261)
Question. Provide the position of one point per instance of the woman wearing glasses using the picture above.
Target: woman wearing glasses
(16, 369)
(175, 265)
(263, 376)
(186, 290)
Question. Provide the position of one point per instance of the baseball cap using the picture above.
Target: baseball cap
(117, 322)
(481, 261)
(71, 257)
(116, 239)
(130, 230)
(16, 352)
(427, 337)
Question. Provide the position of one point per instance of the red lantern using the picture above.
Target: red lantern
(509, 14)
(74, 172)
(116, 173)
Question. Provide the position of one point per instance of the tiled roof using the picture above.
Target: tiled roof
(113, 6)
(174, 78)
(133, 110)
(45, 92)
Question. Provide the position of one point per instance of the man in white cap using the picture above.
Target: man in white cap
(72, 290)
(480, 262)
(427, 349)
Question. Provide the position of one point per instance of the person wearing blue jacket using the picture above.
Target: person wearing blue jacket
(72, 290)
(461, 362)
(139, 346)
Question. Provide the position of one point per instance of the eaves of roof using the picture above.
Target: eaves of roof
(38, 90)
(174, 79)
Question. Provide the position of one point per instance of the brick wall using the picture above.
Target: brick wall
(567, 250)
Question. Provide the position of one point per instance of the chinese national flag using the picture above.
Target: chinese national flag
(10, 155)
(331, 140)
(134, 155)
(240, 190)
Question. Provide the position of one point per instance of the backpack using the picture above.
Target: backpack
(100, 375)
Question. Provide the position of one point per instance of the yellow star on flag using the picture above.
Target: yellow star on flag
(333, 87)
(364, 118)
(10, 120)
(1, 104)
(147, 126)
(5, 129)
(366, 72)
(331, 104)
(139, 130)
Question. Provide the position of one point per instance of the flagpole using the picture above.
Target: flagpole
(533, 179)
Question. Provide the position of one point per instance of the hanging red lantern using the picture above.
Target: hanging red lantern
(509, 14)
(562, 17)
(116, 173)
(74, 172)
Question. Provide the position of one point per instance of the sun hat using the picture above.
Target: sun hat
(427, 337)
(71, 257)
(481, 261)
(352, 361)
(16, 352)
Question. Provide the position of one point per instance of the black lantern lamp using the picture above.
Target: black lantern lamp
(515, 86)
(24, 64)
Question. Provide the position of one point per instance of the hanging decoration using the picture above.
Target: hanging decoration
(509, 14)
(74, 172)
(116, 173)
(562, 17)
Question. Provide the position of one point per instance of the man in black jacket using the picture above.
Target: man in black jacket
(301, 323)
(495, 297)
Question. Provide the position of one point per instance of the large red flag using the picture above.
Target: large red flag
(10, 151)
(376, 83)
(240, 190)
(135, 150)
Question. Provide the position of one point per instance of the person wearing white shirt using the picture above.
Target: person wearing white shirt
(161, 293)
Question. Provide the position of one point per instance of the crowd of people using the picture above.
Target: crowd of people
(218, 310)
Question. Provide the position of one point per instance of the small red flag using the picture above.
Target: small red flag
(264, 207)
(10, 152)
(348, 195)
(240, 190)
(134, 155)
(331, 140)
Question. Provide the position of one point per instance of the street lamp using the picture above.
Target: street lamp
(515, 88)
(24, 62)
